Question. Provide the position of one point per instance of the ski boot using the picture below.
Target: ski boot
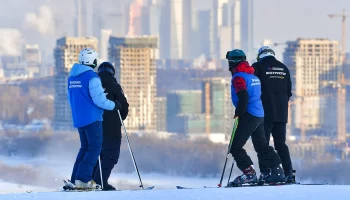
(91, 185)
(290, 176)
(248, 176)
(274, 176)
(68, 185)
(108, 187)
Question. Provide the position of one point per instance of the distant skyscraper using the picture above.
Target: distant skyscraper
(66, 54)
(203, 33)
(182, 105)
(225, 15)
(1, 72)
(222, 15)
(32, 57)
(214, 31)
(236, 35)
(135, 63)
(14, 66)
(154, 19)
(164, 30)
(104, 41)
(217, 105)
(225, 41)
(313, 66)
(80, 18)
(161, 113)
(247, 19)
(175, 25)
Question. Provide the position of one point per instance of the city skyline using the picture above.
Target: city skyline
(275, 20)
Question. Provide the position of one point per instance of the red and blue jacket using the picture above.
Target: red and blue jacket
(246, 91)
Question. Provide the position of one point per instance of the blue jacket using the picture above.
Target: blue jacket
(253, 87)
(86, 96)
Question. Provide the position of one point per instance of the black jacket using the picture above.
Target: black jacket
(276, 88)
(111, 121)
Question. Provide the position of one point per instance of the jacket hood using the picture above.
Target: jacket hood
(107, 77)
(244, 67)
(78, 69)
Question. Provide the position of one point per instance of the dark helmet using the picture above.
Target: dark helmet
(106, 66)
(263, 52)
(234, 57)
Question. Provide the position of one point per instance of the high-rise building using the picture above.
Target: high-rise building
(14, 66)
(32, 57)
(1, 72)
(135, 63)
(80, 18)
(236, 34)
(175, 33)
(165, 30)
(247, 19)
(203, 33)
(104, 42)
(182, 106)
(225, 14)
(214, 31)
(346, 70)
(217, 105)
(222, 12)
(313, 66)
(66, 55)
(225, 41)
(161, 113)
(154, 19)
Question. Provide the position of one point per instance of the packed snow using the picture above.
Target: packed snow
(292, 192)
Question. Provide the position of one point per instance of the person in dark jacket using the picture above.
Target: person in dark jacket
(111, 125)
(276, 88)
(245, 92)
(87, 100)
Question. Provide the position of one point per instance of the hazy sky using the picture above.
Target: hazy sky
(278, 20)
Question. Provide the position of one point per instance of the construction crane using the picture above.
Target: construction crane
(341, 81)
(343, 16)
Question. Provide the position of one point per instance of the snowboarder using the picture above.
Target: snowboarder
(111, 125)
(87, 101)
(276, 91)
(245, 92)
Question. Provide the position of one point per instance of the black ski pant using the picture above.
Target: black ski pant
(278, 131)
(249, 125)
(109, 157)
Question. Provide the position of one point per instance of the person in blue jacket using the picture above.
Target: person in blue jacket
(88, 101)
(245, 93)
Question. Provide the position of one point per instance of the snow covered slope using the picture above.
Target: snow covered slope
(291, 192)
(13, 188)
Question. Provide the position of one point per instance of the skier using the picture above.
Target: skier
(276, 91)
(111, 125)
(245, 92)
(87, 101)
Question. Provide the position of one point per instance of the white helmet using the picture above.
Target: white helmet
(265, 51)
(88, 56)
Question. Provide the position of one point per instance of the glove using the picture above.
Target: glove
(117, 106)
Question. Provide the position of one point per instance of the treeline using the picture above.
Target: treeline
(175, 156)
(20, 103)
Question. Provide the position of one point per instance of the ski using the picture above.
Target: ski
(70, 187)
(252, 185)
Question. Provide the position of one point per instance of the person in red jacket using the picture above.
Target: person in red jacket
(246, 92)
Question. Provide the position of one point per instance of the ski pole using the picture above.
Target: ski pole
(229, 148)
(99, 162)
(132, 155)
(229, 177)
